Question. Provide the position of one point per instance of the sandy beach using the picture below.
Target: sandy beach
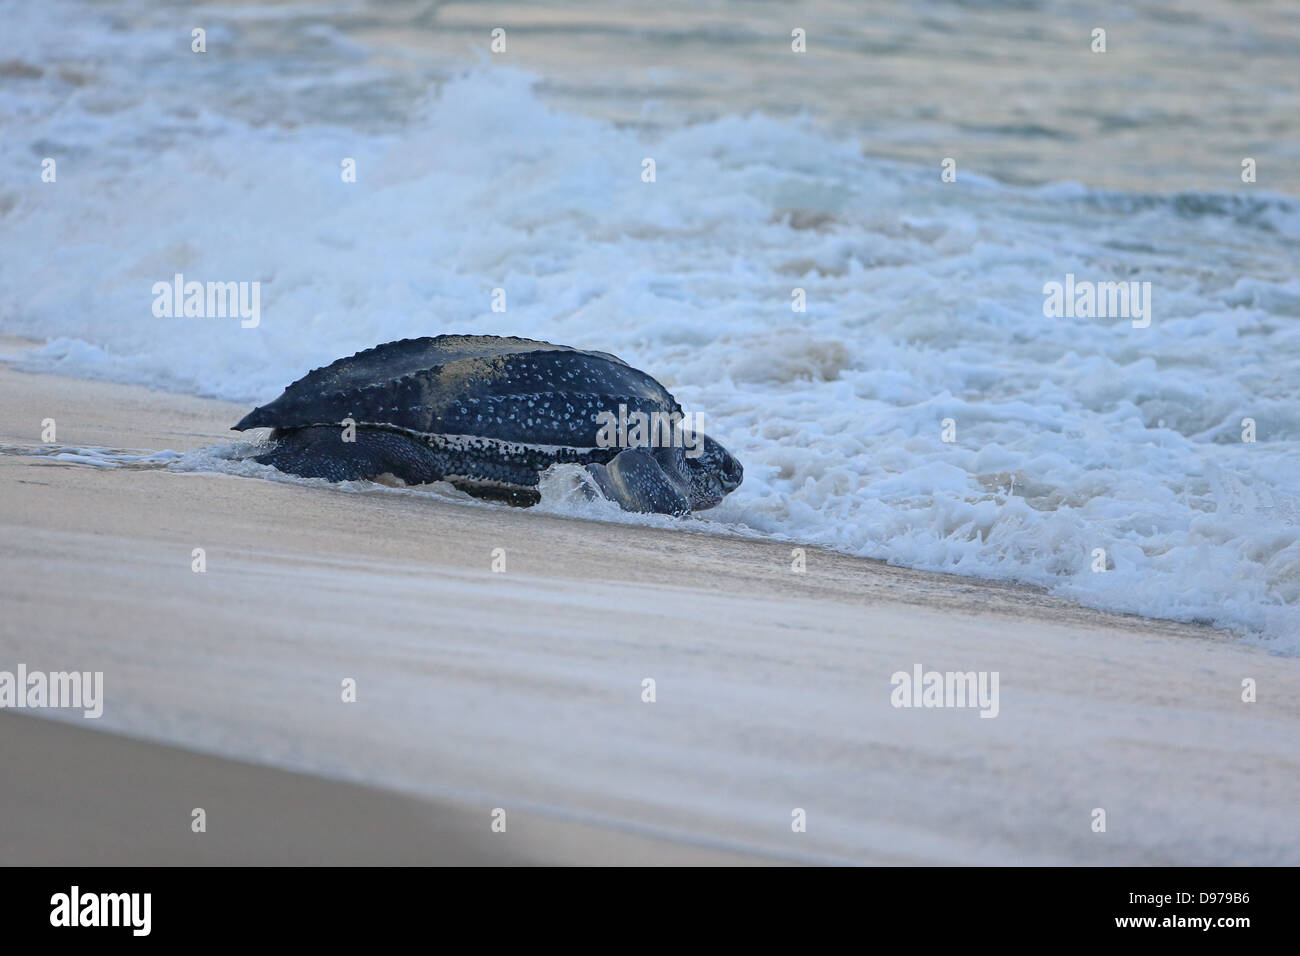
(772, 689)
(98, 799)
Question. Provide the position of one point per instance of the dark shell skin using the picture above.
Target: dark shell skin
(489, 414)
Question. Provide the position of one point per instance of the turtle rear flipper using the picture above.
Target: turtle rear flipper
(638, 482)
(321, 452)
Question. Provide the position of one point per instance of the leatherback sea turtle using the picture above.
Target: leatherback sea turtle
(490, 414)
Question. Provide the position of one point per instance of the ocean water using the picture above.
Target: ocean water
(774, 171)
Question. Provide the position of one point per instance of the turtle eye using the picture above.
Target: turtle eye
(732, 474)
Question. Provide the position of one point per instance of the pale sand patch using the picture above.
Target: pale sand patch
(523, 690)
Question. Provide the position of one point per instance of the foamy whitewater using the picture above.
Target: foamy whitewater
(924, 299)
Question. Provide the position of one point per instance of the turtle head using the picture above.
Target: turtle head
(714, 473)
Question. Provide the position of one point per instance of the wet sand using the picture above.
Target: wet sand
(523, 690)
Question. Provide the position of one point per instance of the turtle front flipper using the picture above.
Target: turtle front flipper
(321, 452)
(638, 481)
